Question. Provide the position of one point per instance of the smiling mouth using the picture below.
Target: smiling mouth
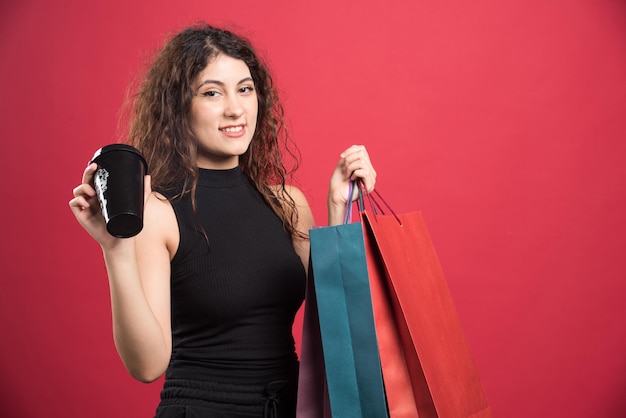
(232, 129)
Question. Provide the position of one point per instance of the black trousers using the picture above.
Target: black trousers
(202, 399)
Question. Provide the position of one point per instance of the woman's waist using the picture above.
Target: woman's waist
(255, 371)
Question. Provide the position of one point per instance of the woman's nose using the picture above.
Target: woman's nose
(233, 108)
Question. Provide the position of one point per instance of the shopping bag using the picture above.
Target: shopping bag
(444, 379)
(396, 377)
(340, 283)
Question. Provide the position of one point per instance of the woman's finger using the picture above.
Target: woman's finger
(89, 173)
(79, 202)
(84, 190)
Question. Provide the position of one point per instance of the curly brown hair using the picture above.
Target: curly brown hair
(160, 121)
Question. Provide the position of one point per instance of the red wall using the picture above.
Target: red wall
(502, 121)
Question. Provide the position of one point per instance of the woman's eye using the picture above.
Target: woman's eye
(246, 89)
(210, 93)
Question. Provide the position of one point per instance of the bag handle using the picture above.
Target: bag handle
(371, 198)
(348, 213)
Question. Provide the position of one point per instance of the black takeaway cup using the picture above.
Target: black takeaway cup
(119, 183)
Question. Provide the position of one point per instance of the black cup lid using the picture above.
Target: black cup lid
(119, 147)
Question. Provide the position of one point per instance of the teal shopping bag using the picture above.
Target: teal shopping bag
(344, 307)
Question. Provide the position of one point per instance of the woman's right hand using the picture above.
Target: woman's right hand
(86, 208)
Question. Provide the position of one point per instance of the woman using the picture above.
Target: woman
(207, 292)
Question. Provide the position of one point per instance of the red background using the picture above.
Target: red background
(503, 121)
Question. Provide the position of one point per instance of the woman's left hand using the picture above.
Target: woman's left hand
(354, 165)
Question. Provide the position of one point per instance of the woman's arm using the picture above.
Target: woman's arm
(138, 270)
(305, 223)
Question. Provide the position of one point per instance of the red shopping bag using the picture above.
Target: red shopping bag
(398, 387)
(443, 377)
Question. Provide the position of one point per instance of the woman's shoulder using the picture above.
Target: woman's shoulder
(305, 215)
(296, 194)
(292, 192)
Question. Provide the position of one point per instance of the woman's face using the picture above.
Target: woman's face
(223, 112)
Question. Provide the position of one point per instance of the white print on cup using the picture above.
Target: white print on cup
(100, 181)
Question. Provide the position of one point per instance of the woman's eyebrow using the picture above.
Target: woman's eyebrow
(221, 83)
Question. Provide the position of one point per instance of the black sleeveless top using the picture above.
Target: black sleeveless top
(235, 292)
